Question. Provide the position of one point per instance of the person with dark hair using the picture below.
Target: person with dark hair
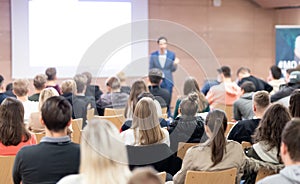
(216, 153)
(51, 79)
(242, 107)
(8, 90)
(226, 92)
(114, 98)
(244, 74)
(13, 134)
(2, 94)
(290, 155)
(92, 90)
(39, 83)
(274, 78)
(187, 127)
(166, 61)
(55, 156)
(294, 106)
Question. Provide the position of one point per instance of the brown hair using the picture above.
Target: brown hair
(80, 81)
(88, 76)
(39, 81)
(146, 175)
(68, 86)
(113, 82)
(216, 121)
(294, 103)
(271, 125)
(261, 99)
(51, 73)
(189, 105)
(12, 127)
(291, 138)
(20, 87)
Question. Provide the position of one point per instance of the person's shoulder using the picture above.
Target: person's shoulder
(70, 179)
(272, 179)
(154, 53)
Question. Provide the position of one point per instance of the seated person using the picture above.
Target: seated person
(290, 155)
(9, 90)
(294, 104)
(13, 134)
(188, 127)
(91, 90)
(124, 87)
(211, 155)
(51, 79)
(244, 129)
(2, 92)
(274, 78)
(39, 83)
(114, 98)
(55, 156)
(103, 156)
(68, 90)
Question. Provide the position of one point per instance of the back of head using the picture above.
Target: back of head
(121, 76)
(216, 121)
(190, 85)
(144, 176)
(39, 81)
(261, 99)
(45, 94)
(291, 138)
(68, 86)
(88, 76)
(294, 103)
(271, 125)
(56, 113)
(21, 87)
(80, 81)
(103, 153)
(12, 128)
(137, 88)
(248, 87)
(275, 71)
(1, 80)
(243, 71)
(225, 70)
(51, 73)
(113, 83)
(189, 105)
(155, 75)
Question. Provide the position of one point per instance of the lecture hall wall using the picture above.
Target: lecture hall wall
(239, 32)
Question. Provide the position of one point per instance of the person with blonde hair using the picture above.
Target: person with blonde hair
(145, 127)
(103, 156)
(124, 87)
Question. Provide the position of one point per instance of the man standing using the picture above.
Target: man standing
(166, 61)
(55, 156)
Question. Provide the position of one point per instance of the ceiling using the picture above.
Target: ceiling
(278, 3)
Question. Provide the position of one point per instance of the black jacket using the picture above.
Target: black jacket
(258, 83)
(284, 92)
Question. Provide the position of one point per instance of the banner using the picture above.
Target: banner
(287, 47)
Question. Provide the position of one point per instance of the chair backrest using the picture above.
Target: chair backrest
(76, 126)
(214, 177)
(229, 126)
(117, 120)
(113, 112)
(6, 165)
(228, 109)
(90, 114)
(162, 176)
(262, 173)
(39, 136)
(183, 147)
(246, 144)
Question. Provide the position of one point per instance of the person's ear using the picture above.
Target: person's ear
(179, 110)
(283, 151)
(42, 121)
(254, 108)
(69, 123)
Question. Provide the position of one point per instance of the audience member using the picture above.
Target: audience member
(55, 156)
(244, 129)
(242, 107)
(244, 74)
(39, 83)
(2, 94)
(208, 84)
(191, 85)
(145, 175)
(103, 156)
(294, 83)
(294, 106)
(51, 79)
(226, 92)
(21, 89)
(188, 127)
(145, 127)
(68, 90)
(114, 98)
(274, 78)
(91, 90)
(124, 87)
(13, 134)
(290, 155)
(211, 155)
(9, 90)
(34, 120)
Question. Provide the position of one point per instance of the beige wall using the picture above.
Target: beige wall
(239, 33)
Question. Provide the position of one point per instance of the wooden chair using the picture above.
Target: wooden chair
(113, 112)
(117, 120)
(90, 114)
(183, 147)
(229, 126)
(228, 109)
(246, 144)
(6, 165)
(39, 136)
(76, 126)
(162, 176)
(214, 177)
(262, 173)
